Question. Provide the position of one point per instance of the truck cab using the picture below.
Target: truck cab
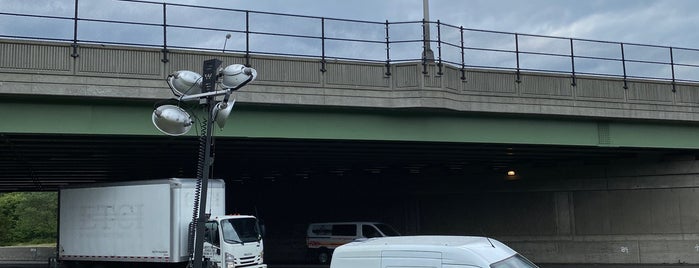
(234, 241)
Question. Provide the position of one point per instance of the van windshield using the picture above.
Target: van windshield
(240, 230)
(516, 261)
(387, 230)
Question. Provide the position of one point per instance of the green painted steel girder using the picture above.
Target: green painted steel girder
(69, 116)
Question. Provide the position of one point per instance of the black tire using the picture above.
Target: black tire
(324, 256)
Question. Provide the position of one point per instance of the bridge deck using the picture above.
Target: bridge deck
(136, 73)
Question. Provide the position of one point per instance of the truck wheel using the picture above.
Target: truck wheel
(324, 256)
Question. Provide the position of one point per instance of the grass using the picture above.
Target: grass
(33, 245)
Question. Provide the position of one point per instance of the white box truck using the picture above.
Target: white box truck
(428, 252)
(147, 223)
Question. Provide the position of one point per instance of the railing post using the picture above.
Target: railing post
(165, 51)
(572, 63)
(424, 46)
(322, 45)
(388, 52)
(518, 80)
(75, 33)
(247, 38)
(463, 61)
(439, 48)
(623, 64)
(672, 66)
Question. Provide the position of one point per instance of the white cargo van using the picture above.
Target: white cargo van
(428, 252)
(323, 238)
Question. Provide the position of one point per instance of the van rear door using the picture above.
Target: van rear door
(410, 259)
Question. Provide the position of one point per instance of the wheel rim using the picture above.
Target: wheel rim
(323, 257)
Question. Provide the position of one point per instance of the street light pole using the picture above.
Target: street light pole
(209, 76)
(427, 52)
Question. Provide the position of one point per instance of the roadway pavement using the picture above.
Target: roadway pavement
(33, 264)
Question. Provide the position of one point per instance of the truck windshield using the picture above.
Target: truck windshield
(240, 230)
(387, 230)
(516, 261)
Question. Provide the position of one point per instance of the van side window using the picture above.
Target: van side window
(324, 229)
(369, 231)
(386, 229)
(344, 230)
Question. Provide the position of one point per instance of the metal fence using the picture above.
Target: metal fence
(180, 26)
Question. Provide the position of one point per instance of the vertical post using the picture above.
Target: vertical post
(463, 61)
(424, 48)
(247, 38)
(208, 85)
(165, 51)
(518, 80)
(623, 65)
(388, 52)
(427, 53)
(439, 48)
(572, 63)
(672, 66)
(53, 262)
(75, 33)
(322, 44)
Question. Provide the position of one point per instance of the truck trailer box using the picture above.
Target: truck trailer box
(144, 221)
(428, 252)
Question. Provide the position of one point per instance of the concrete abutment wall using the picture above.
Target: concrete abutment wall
(641, 213)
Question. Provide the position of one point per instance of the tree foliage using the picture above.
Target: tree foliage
(28, 217)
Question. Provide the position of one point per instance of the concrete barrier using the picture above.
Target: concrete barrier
(28, 253)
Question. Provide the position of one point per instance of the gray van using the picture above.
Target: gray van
(323, 238)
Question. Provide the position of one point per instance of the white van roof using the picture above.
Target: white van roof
(462, 250)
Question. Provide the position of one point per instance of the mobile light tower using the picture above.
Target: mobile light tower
(175, 121)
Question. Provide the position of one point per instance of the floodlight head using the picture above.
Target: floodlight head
(237, 75)
(172, 120)
(221, 112)
(185, 83)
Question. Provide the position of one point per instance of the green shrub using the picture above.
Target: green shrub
(28, 218)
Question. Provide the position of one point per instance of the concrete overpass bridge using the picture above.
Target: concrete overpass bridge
(606, 162)
(482, 121)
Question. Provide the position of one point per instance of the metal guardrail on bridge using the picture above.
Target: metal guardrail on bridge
(190, 27)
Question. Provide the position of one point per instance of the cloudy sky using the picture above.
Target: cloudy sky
(654, 22)
(661, 22)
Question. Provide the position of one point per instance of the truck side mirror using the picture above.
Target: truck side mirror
(262, 230)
